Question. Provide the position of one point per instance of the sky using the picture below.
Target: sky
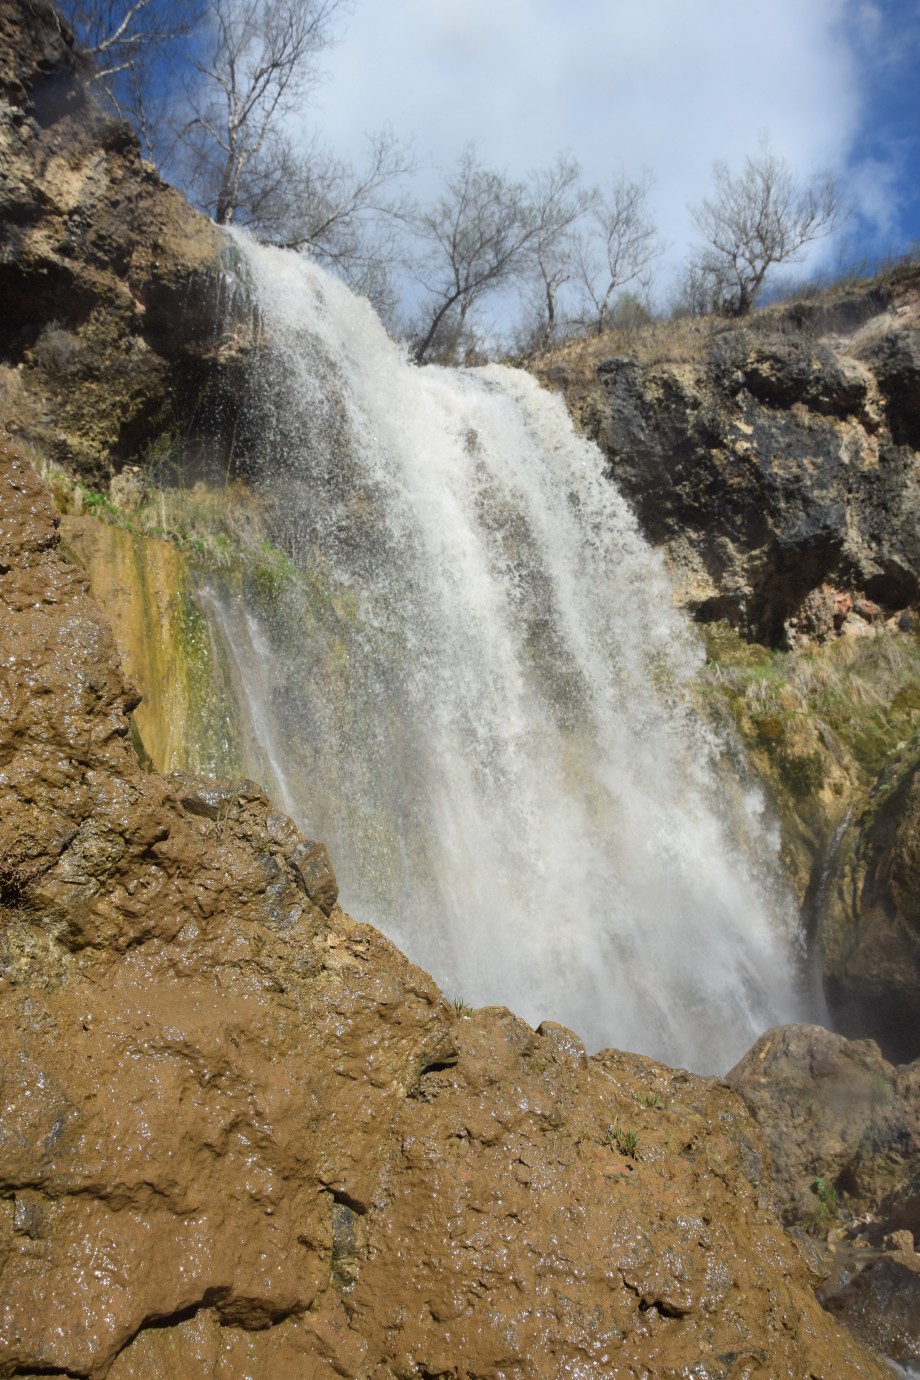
(664, 86)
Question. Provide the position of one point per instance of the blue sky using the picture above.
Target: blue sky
(664, 85)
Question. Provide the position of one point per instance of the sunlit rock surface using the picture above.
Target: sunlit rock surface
(239, 1133)
(109, 279)
(773, 463)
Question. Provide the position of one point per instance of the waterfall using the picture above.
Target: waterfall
(477, 693)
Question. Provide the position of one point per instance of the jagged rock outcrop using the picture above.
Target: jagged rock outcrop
(774, 465)
(109, 280)
(244, 1134)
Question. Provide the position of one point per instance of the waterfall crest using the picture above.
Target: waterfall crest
(482, 705)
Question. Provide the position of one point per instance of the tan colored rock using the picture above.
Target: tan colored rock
(238, 1137)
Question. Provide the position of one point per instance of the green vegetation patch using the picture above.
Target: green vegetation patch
(848, 706)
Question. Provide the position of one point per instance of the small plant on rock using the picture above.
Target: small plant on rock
(826, 1210)
(626, 1142)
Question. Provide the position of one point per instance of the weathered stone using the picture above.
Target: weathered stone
(273, 1149)
(842, 1126)
(773, 466)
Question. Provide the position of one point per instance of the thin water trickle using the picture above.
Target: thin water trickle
(478, 696)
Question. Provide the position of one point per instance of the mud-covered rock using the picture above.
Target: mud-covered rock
(238, 1135)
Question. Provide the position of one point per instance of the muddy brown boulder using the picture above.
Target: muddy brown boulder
(240, 1134)
(842, 1127)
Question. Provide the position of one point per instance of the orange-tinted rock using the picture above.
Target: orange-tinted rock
(241, 1137)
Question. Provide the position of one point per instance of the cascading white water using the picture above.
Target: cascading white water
(483, 709)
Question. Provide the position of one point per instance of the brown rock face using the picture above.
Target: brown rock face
(109, 280)
(240, 1136)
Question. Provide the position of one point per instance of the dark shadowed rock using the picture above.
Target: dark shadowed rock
(881, 1304)
(870, 924)
(842, 1126)
(772, 467)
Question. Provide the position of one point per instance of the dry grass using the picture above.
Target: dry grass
(688, 339)
(858, 699)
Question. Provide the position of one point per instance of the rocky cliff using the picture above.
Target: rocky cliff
(239, 1133)
(779, 461)
(778, 466)
(109, 279)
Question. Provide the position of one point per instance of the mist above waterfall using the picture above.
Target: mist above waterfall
(478, 695)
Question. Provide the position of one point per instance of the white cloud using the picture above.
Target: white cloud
(668, 85)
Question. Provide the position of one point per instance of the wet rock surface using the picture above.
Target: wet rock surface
(870, 927)
(773, 466)
(241, 1136)
(881, 1304)
(842, 1127)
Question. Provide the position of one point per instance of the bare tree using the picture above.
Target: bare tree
(114, 32)
(135, 46)
(622, 248)
(346, 217)
(472, 242)
(757, 219)
(260, 64)
(559, 203)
